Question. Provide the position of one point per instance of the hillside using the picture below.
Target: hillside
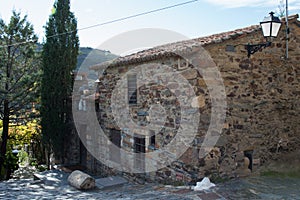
(89, 56)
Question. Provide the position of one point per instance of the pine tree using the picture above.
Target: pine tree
(19, 74)
(59, 60)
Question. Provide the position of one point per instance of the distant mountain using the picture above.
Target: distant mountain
(88, 57)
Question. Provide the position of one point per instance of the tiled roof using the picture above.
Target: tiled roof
(170, 49)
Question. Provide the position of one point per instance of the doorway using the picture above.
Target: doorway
(249, 155)
(114, 151)
(139, 149)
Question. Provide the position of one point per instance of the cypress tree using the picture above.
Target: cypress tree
(59, 57)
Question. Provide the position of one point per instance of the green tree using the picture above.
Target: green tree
(19, 74)
(60, 52)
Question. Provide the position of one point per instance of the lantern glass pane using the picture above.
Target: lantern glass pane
(275, 29)
(266, 29)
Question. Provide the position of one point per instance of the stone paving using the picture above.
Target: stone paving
(53, 185)
(56, 187)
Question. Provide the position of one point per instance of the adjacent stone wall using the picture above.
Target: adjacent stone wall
(262, 108)
(262, 97)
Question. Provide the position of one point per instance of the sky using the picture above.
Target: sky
(196, 19)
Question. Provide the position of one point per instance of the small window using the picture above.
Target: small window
(152, 143)
(152, 140)
(97, 106)
(132, 89)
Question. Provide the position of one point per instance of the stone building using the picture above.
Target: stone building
(261, 106)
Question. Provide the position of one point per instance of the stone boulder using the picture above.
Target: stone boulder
(81, 180)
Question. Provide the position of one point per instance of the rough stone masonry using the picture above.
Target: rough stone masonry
(262, 95)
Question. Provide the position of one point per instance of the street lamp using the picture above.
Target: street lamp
(270, 27)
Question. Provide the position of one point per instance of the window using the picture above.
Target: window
(97, 106)
(132, 89)
(152, 140)
(152, 143)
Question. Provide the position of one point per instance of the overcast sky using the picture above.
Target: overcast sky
(196, 19)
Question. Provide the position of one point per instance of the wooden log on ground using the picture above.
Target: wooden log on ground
(81, 180)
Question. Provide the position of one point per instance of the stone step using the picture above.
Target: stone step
(51, 177)
(111, 181)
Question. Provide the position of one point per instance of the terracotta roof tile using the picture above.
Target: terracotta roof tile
(169, 50)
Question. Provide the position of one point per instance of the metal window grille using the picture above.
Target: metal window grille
(132, 89)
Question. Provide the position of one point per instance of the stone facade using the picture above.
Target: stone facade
(262, 97)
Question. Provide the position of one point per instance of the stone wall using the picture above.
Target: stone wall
(262, 96)
(262, 107)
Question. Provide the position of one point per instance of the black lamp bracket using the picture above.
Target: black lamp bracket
(252, 48)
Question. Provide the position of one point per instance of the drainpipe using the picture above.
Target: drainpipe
(287, 29)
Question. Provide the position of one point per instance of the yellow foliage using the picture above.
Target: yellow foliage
(23, 134)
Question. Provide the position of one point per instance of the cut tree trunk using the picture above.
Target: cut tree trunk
(81, 180)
